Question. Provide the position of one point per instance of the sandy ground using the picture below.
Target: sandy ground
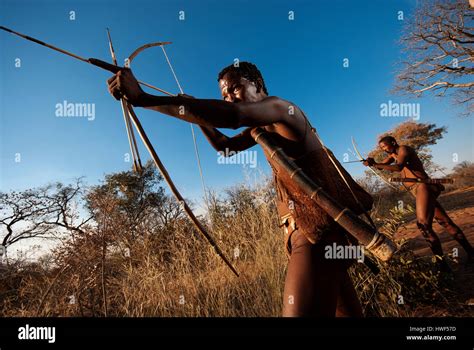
(460, 207)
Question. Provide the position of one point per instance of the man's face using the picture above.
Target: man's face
(387, 147)
(237, 89)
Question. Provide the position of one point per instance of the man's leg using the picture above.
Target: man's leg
(425, 205)
(313, 283)
(444, 220)
(348, 304)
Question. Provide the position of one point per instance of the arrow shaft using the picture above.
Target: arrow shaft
(355, 161)
(94, 61)
(114, 69)
(137, 164)
(45, 44)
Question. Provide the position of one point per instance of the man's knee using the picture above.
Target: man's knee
(458, 234)
(446, 223)
(451, 227)
(426, 231)
(423, 225)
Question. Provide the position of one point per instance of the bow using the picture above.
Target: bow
(359, 155)
(129, 114)
(128, 64)
(137, 164)
(154, 155)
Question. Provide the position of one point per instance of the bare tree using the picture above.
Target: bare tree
(439, 42)
(38, 212)
(169, 211)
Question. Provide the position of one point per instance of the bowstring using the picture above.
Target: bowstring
(196, 150)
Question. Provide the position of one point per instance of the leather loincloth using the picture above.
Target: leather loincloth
(436, 189)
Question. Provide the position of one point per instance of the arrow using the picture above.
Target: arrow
(94, 61)
(355, 161)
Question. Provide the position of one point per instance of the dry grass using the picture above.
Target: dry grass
(171, 272)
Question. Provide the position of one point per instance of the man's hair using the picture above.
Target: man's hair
(248, 71)
(388, 140)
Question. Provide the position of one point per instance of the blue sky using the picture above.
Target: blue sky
(301, 60)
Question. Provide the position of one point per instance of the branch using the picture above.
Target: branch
(444, 84)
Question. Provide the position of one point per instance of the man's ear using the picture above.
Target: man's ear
(259, 85)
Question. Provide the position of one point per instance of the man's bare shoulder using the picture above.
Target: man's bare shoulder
(404, 149)
(292, 123)
(287, 107)
(278, 101)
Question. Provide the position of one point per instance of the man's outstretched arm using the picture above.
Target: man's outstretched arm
(206, 112)
(217, 113)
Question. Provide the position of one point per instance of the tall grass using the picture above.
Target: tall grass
(171, 271)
